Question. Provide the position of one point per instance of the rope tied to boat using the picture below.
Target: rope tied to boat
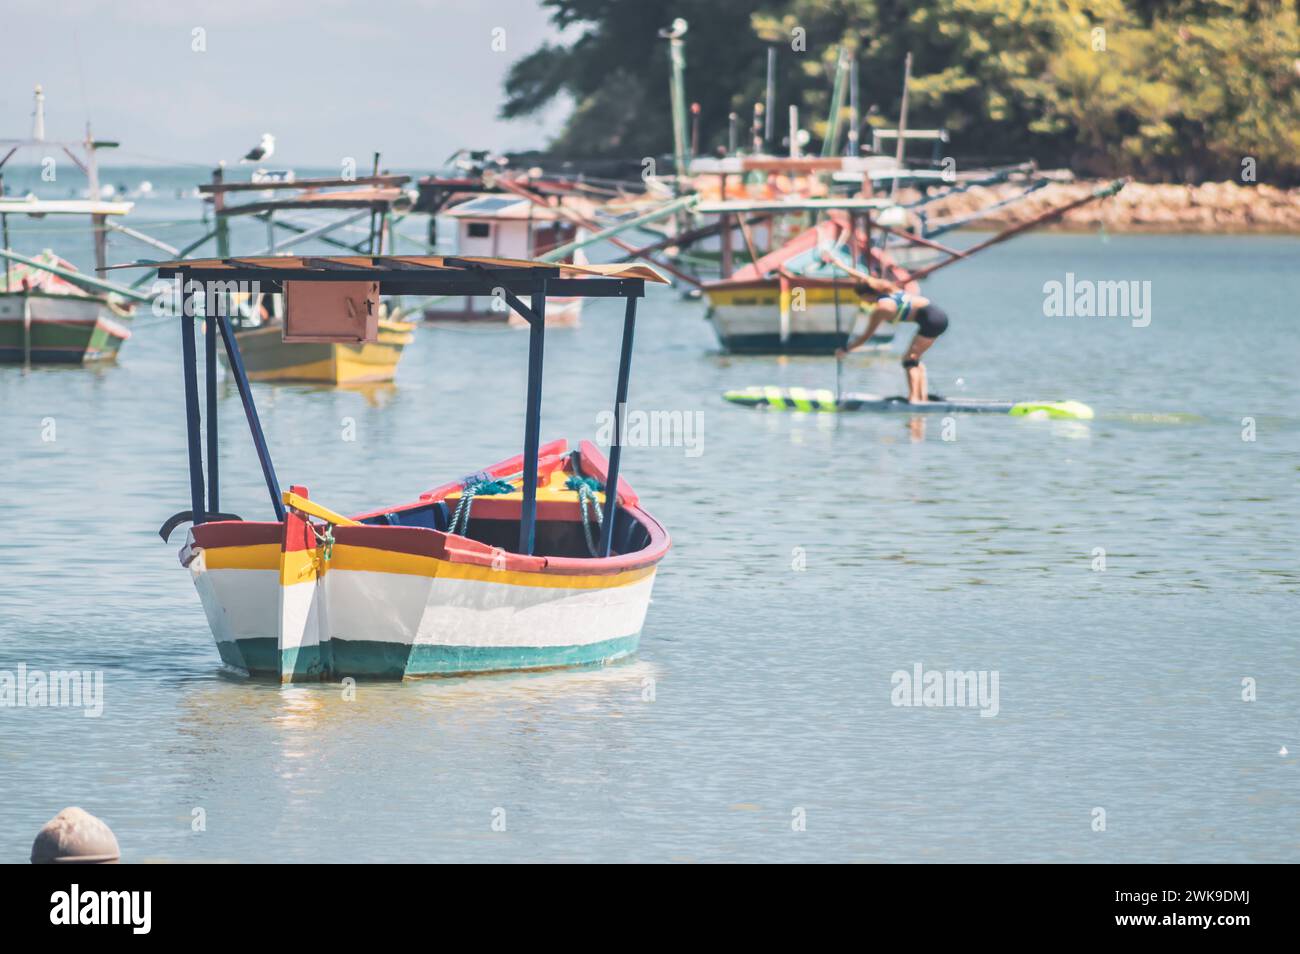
(324, 539)
(587, 488)
(460, 519)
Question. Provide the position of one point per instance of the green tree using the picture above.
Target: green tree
(1167, 89)
(616, 71)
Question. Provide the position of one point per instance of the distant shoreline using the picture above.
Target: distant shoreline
(1211, 208)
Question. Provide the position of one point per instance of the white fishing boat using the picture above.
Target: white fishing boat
(544, 559)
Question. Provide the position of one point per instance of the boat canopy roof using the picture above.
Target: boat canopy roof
(417, 274)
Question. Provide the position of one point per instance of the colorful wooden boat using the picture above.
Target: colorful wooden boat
(50, 313)
(46, 319)
(799, 299)
(544, 559)
(432, 587)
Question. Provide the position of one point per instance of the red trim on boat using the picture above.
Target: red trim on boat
(421, 541)
(504, 468)
(416, 541)
(595, 465)
(237, 533)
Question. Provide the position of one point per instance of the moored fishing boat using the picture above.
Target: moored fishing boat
(51, 313)
(543, 559)
(433, 586)
(47, 319)
(284, 205)
(268, 358)
(800, 298)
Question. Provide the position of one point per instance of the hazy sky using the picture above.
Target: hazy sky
(415, 79)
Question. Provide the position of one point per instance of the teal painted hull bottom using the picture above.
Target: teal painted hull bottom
(340, 658)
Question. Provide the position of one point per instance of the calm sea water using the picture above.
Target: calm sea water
(814, 558)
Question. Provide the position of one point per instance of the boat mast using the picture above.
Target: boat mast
(770, 107)
(902, 124)
(837, 104)
(38, 116)
(854, 118)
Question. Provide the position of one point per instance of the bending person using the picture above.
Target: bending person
(893, 304)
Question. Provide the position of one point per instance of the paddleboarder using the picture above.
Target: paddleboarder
(892, 303)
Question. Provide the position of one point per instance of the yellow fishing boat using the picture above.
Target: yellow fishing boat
(267, 357)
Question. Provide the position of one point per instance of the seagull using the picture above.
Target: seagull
(674, 32)
(262, 150)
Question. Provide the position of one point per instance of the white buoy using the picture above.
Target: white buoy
(1282, 751)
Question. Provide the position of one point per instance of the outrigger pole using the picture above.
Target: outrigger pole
(1102, 192)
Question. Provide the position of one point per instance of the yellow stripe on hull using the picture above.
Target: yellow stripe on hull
(772, 298)
(263, 556)
(300, 566)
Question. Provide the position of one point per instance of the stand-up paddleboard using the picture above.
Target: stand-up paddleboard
(806, 399)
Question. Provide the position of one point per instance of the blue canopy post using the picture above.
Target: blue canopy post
(210, 382)
(616, 446)
(250, 412)
(536, 316)
(189, 361)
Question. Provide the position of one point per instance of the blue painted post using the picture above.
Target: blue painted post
(210, 381)
(250, 412)
(189, 361)
(616, 446)
(533, 422)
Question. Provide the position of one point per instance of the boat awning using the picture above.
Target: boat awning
(420, 274)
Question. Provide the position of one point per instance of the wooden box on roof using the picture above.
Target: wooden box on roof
(331, 312)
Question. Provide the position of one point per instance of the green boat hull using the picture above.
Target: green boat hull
(370, 659)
